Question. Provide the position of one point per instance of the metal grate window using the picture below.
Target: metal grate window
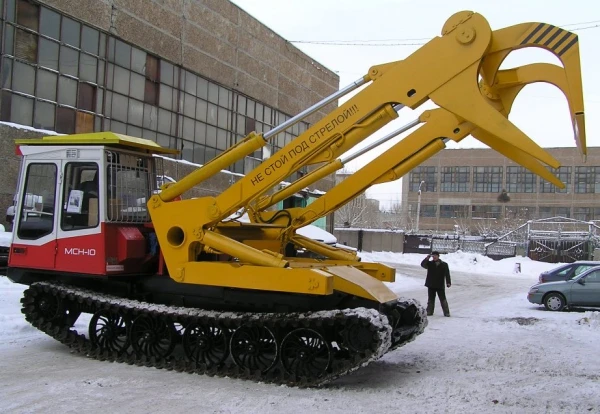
(129, 184)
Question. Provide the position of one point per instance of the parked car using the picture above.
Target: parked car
(581, 290)
(567, 271)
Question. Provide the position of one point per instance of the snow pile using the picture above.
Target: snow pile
(466, 262)
(592, 319)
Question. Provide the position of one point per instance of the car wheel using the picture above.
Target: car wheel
(555, 302)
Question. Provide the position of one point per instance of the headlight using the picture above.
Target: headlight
(533, 290)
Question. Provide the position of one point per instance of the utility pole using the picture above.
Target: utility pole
(419, 205)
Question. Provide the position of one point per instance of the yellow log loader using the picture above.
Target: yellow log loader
(179, 284)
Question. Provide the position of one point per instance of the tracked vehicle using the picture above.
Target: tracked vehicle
(179, 284)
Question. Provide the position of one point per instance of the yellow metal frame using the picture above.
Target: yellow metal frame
(308, 281)
(445, 71)
(423, 144)
(100, 138)
(377, 271)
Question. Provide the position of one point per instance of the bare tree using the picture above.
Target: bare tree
(513, 218)
(462, 225)
(353, 214)
(485, 227)
(358, 212)
(395, 216)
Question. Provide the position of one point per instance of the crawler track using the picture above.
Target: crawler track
(298, 349)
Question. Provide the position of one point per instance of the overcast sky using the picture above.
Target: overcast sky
(391, 27)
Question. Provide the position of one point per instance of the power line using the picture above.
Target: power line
(413, 41)
(327, 43)
(577, 24)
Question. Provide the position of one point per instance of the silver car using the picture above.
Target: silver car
(582, 290)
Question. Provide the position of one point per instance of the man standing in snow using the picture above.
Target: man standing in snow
(438, 272)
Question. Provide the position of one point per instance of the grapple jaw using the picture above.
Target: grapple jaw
(486, 106)
(506, 87)
(562, 44)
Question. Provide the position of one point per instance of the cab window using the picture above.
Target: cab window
(37, 202)
(80, 196)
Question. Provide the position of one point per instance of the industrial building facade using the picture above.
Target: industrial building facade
(192, 75)
(468, 190)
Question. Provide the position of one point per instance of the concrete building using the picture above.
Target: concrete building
(192, 75)
(471, 190)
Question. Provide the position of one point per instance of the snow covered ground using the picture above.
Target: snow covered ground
(497, 353)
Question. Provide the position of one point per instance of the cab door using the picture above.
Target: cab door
(80, 242)
(35, 229)
(587, 293)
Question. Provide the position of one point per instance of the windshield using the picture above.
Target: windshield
(580, 269)
(584, 268)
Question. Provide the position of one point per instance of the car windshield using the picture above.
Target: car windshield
(562, 270)
(580, 269)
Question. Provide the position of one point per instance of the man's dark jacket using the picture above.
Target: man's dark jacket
(436, 273)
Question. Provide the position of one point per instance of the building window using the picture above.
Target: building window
(487, 179)
(562, 212)
(519, 212)
(486, 212)
(65, 120)
(455, 179)
(586, 213)
(428, 210)
(26, 46)
(563, 174)
(582, 213)
(520, 180)
(545, 212)
(427, 174)
(86, 97)
(450, 211)
(28, 15)
(152, 80)
(548, 212)
(587, 179)
(60, 74)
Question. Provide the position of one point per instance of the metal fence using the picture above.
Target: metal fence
(449, 244)
(398, 242)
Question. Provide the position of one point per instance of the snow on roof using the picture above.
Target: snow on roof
(29, 128)
(317, 233)
(311, 231)
(317, 192)
(368, 230)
